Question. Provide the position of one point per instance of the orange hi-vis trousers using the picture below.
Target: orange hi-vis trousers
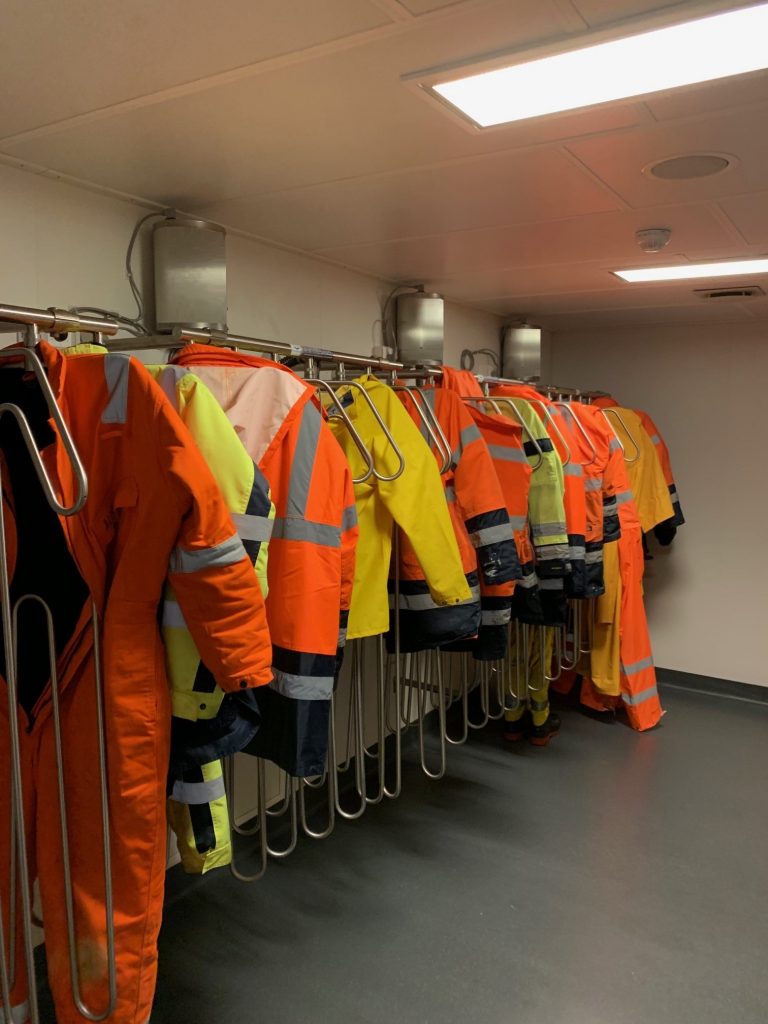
(622, 650)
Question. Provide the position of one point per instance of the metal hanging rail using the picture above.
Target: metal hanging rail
(58, 322)
(261, 346)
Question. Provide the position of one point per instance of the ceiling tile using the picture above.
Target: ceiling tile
(425, 6)
(91, 55)
(339, 116)
(497, 188)
(628, 317)
(606, 236)
(618, 159)
(521, 284)
(664, 297)
(750, 215)
(602, 12)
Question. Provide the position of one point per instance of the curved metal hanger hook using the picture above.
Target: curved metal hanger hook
(551, 420)
(615, 412)
(567, 407)
(430, 422)
(342, 414)
(377, 416)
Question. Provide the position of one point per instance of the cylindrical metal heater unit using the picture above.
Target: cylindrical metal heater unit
(190, 275)
(420, 328)
(521, 352)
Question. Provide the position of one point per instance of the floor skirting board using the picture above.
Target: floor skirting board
(708, 684)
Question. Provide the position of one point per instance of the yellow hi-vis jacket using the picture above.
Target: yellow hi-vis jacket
(415, 501)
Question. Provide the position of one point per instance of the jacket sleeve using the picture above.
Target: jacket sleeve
(416, 501)
(481, 500)
(210, 571)
(350, 532)
(612, 491)
(659, 508)
(664, 531)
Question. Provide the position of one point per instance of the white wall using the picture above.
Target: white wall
(63, 245)
(707, 596)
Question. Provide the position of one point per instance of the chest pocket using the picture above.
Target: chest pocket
(106, 524)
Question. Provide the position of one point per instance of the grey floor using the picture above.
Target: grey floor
(610, 878)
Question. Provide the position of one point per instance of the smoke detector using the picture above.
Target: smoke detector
(653, 239)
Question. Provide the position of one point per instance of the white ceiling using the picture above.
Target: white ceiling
(288, 119)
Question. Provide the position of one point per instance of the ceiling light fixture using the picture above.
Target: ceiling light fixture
(690, 271)
(703, 50)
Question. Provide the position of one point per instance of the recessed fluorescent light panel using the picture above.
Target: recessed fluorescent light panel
(697, 51)
(689, 271)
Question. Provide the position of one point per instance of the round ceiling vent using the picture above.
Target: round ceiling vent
(690, 166)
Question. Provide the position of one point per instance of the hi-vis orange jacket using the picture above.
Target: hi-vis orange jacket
(519, 599)
(153, 512)
(312, 551)
(482, 527)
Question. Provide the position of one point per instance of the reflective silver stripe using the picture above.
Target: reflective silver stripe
(169, 378)
(624, 497)
(593, 483)
(450, 494)
(528, 581)
(640, 698)
(573, 469)
(548, 529)
(424, 602)
(172, 615)
(302, 687)
(593, 557)
(656, 439)
(303, 529)
(342, 638)
(227, 553)
(303, 460)
(348, 518)
(502, 454)
(467, 436)
(116, 370)
(673, 495)
(610, 507)
(550, 584)
(252, 527)
(491, 535)
(578, 551)
(198, 792)
(638, 666)
(19, 1013)
(553, 551)
(518, 522)
(539, 705)
(614, 446)
(496, 617)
